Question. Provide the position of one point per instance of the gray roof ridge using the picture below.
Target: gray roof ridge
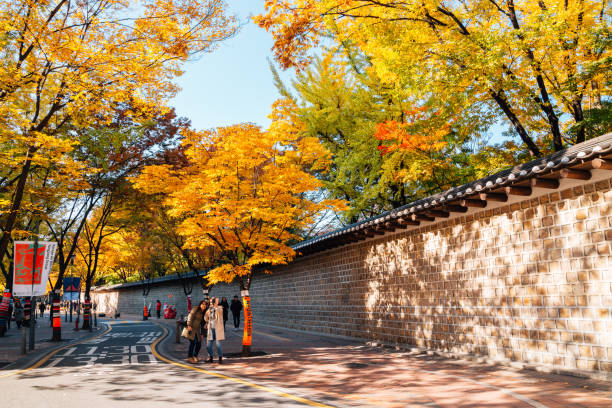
(159, 279)
(587, 150)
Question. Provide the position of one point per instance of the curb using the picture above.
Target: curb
(297, 395)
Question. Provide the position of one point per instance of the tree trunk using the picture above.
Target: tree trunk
(248, 318)
(518, 126)
(88, 283)
(12, 215)
(248, 326)
(579, 119)
(56, 319)
(86, 314)
(8, 275)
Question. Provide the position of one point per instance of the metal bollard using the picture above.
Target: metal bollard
(24, 337)
(95, 319)
(32, 331)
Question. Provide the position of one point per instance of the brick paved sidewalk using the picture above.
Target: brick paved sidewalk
(10, 344)
(353, 374)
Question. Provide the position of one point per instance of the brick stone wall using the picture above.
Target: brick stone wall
(130, 299)
(529, 281)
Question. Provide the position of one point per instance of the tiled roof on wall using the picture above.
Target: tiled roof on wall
(574, 162)
(154, 281)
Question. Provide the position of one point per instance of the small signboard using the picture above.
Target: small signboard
(27, 280)
(74, 296)
(71, 284)
(71, 288)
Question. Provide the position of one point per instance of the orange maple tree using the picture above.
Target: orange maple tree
(244, 193)
(412, 136)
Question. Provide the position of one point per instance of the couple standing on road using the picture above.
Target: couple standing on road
(205, 320)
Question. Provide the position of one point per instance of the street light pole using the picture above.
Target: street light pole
(32, 322)
(70, 265)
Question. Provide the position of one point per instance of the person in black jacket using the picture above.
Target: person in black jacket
(10, 313)
(225, 310)
(236, 307)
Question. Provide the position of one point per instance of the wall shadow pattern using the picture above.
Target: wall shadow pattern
(528, 282)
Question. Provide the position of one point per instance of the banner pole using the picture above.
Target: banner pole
(33, 298)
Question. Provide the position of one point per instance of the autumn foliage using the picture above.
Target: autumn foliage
(70, 65)
(399, 136)
(541, 66)
(243, 192)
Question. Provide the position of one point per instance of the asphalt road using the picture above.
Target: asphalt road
(122, 368)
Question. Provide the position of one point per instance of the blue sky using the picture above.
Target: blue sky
(232, 84)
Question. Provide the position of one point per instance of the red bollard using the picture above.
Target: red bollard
(76, 323)
(57, 322)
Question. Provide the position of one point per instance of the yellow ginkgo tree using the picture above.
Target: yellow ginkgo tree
(244, 193)
(69, 64)
(541, 66)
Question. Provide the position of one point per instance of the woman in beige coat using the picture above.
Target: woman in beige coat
(216, 332)
(195, 326)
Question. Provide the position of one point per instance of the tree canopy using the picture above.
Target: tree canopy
(539, 66)
(242, 193)
(68, 68)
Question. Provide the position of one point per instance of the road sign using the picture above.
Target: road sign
(71, 284)
(72, 288)
(27, 280)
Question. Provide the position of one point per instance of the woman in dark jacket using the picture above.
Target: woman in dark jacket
(18, 313)
(225, 310)
(195, 326)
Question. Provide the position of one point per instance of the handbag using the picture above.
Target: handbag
(185, 332)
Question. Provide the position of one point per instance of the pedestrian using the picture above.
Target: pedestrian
(18, 313)
(4, 316)
(10, 313)
(41, 307)
(216, 332)
(158, 309)
(225, 306)
(236, 307)
(194, 327)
